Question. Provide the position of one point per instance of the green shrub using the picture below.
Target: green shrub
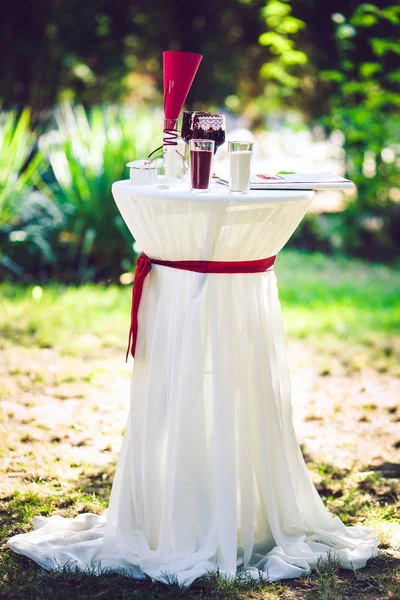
(369, 234)
(87, 152)
(26, 217)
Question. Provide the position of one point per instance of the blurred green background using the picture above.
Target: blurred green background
(81, 94)
(317, 83)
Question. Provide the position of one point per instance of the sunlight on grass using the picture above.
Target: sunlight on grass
(321, 296)
(337, 296)
(63, 316)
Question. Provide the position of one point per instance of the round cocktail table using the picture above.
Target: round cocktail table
(210, 475)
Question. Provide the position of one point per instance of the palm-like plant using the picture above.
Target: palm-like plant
(25, 216)
(87, 153)
(17, 168)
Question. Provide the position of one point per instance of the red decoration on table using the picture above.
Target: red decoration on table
(143, 268)
(180, 69)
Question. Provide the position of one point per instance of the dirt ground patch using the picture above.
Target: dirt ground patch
(62, 419)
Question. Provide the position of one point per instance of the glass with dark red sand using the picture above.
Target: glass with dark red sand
(187, 132)
(198, 125)
(201, 157)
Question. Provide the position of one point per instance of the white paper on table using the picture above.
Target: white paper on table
(297, 181)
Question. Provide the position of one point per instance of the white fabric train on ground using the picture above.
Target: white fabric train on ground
(210, 474)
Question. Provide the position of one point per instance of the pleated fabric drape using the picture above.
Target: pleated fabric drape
(210, 475)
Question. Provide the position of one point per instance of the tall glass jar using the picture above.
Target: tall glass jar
(171, 165)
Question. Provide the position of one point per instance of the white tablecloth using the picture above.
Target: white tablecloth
(210, 474)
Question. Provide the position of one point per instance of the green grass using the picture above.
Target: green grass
(58, 316)
(345, 298)
(321, 296)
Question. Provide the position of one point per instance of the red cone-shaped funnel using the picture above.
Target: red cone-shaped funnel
(180, 69)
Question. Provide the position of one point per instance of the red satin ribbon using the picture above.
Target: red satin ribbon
(143, 268)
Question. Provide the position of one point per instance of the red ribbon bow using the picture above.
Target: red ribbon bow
(143, 268)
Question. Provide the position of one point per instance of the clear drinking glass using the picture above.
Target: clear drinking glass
(201, 158)
(240, 154)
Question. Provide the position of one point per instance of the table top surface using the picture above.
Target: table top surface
(217, 193)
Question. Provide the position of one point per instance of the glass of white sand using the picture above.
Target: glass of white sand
(240, 154)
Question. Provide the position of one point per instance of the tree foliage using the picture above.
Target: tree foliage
(336, 63)
(350, 82)
(94, 51)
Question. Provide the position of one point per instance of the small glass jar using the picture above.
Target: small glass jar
(142, 172)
